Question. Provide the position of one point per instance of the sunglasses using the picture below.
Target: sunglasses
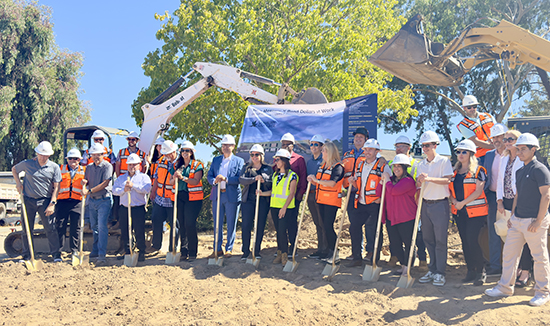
(187, 151)
(285, 145)
(131, 139)
(315, 144)
(461, 152)
(255, 154)
(73, 158)
(426, 145)
(276, 159)
(509, 139)
(99, 139)
(472, 107)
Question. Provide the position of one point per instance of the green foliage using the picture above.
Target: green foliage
(536, 106)
(310, 43)
(39, 84)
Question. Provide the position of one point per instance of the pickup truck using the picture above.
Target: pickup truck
(9, 197)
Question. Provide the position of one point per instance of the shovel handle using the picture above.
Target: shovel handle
(300, 223)
(27, 228)
(174, 217)
(340, 227)
(256, 220)
(415, 230)
(378, 225)
(130, 220)
(81, 225)
(216, 221)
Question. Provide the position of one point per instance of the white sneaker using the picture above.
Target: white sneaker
(538, 300)
(337, 259)
(426, 278)
(439, 280)
(494, 292)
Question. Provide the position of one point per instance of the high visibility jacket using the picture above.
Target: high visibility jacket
(350, 165)
(328, 195)
(281, 190)
(375, 175)
(155, 165)
(195, 192)
(71, 187)
(478, 206)
(107, 153)
(163, 180)
(123, 156)
(483, 131)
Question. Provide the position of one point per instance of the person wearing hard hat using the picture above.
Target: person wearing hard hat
(476, 126)
(162, 196)
(492, 163)
(123, 154)
(224, 173)
(436, 171)
(528, 224)
(40, 189)
(328, 181)
(137, 185)
(98, 137)
(283, 202)
(367, 203)
(98, 177)
(157, 156)
(400, 206)
(255, 170)
(353, 157)
(189, 173)
(469, 208)
(69, 199)
(316, 145)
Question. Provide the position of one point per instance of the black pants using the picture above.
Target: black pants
(114, 211)
(188, 212)
(138, 226)
(293, 224)
(283, 225)
(364, 215)
(68, 211)
(526, 260)
(328, 215)
(468, 229)
(160, 215)
(401, 237)
(39, 206)
(248, 211)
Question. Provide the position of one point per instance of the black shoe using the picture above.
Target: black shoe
(494, 272)
(94, 255)
(315, 255)
(355, 263)
(480, 279)
(191, 258)
(141, 256)
(470, 276)
(245, 256)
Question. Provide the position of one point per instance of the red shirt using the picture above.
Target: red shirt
(298, 165)
(399, 204)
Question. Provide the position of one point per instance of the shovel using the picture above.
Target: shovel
(80, 259)
(331, 269)
(255, 261)
(216, 260)
(291, 266)
(372, 273)
(406, 282)
(32, 265)
(173, 257)
(130, 260)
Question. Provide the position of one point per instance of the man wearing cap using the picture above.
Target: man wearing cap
(97, 178)
(69, 199)
(98, 137)
(224, 173)
(351, 158)
(123, 154)
(138, 185)
(528, 224)
(492, 164)
(316, 145)
(476, 126)
(40, 188)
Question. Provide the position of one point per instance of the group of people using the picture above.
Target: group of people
(496, 179)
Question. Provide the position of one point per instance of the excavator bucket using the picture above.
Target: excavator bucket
(411, 56)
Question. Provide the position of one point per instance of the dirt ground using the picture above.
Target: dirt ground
(238, 294)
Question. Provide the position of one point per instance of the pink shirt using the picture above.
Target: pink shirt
(399, 204)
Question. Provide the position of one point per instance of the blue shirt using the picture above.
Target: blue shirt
(141, 187)
(312, 167)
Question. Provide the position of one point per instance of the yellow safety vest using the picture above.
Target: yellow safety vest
(281, 190)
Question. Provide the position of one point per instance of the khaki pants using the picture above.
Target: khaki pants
(537, 242)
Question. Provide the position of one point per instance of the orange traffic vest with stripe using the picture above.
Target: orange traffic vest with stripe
(155, 165)
(477, 207)
(123, 155)
(195, 192)
(71, 187)
(106, 156)
(375, 175)
(163, 180)
(329, 195)
(350, 164)
(483, 131)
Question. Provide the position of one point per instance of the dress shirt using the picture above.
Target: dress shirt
(141, 187)
(224, 168)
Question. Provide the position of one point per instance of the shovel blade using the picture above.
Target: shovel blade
(405, 282)
(216, 261)
(330, 271)
(34, 265)
(253, 261)
(290, 266)
(172, 258)
(371, 274)
(80, 260)
(131, 260)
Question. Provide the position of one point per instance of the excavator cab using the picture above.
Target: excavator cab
(80, 137)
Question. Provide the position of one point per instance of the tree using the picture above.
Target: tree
(311, 43)
(39, 84)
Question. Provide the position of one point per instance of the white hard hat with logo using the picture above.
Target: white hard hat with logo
(498, 129)
(188, 145)
(372, 143)
(159, 141)
(288, 137)
(429, 137)
(403, 140)
(133, 159)
(96, 149)
(74, 153)
(256, 148)
(98, 134)
(168, 147)
(283, 153)
(467, 144)
(469, 100)
(317, 138)
(44, 148)
(132, 134)
(528, 139)
(228, 140)
(401, 159)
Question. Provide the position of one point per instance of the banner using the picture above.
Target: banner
(266, 124)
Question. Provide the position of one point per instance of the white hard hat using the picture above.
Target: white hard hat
(372, 143)
(288, 136)
(133, 159)
(528, 139)
(283, 153)
(168, 147)
(96, 149)
(401, 159)
(187, 144)
(256, 148)
(132, 134)
(498, 129)
(429, 137)
(469, 100)
(44, 148)
(317, 138)
(74, 153)
(467, 144)
(403, 140)
(159, 141)
(98, 134)
(228, 140)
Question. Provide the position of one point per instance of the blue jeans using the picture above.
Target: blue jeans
(100, 209)
(495, 244)
(231, 211)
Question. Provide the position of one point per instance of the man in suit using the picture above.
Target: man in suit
(224, 172)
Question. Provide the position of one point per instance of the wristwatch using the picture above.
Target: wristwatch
(53, 202)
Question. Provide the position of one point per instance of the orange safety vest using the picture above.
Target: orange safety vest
(123, 155)
(71, 187)
(163, 180)
(477, 207)
(195, 192)
(350, 163)
(155, 165)
(106, 156)
(483, 131)
(375, 175)
(328, 195)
